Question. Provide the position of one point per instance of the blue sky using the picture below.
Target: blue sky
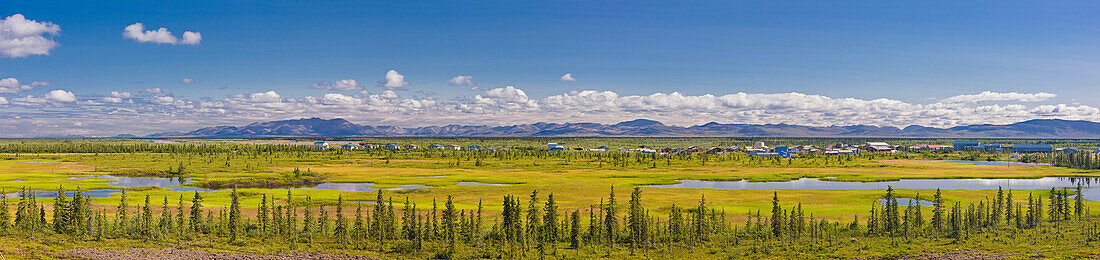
(659, 59)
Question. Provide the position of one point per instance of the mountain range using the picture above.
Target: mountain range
(1038, 128)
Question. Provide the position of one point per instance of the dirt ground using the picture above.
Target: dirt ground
(175, 253)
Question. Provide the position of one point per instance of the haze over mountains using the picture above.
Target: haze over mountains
(1039, 128)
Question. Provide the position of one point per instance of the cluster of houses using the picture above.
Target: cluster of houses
(322, 145)
(758, 149)
(1014, 148)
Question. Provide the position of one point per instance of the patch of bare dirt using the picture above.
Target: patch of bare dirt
(960, 254)
(176, 253)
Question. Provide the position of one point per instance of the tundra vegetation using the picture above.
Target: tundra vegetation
(254, 196)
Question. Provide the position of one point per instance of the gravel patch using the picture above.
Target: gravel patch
(176, 253)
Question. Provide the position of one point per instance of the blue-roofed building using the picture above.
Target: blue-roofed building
(967, 145)
(320, 145)
(393, 146)
(350, 147)
(436, 146)
(991, 147)
(1032, 148)
(783, 151)
(554, 147)
(473, 147)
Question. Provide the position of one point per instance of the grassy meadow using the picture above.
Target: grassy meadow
(578, 180)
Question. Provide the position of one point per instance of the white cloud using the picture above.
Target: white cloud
(123, 94)
(567, 77)
(61, 96)
(188, 81)
(339, 99)
(191, 38)
(344, 84)
(163, 100)
(3, 101)
(138, 33)
(393, 80)
(511, 105)
(461, 80)
(995, 96)
(388, 94)
(20, 37)
(12, 85)
(265, 97)
(152, 91)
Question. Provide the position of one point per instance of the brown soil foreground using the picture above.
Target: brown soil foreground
(175, 253)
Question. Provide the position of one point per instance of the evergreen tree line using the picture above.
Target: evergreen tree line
(524, 226)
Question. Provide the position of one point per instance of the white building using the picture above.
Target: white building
(320, 145)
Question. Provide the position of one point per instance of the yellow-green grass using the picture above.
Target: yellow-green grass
(573, 187)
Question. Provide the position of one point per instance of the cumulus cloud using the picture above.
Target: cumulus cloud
(116, 97)
(393, 81)
(12, 85)
(188, 81)
(344, 84)
(163, 100)
(461, 80)
(138, 33)
(3, 101)
(265, 97)
(61, 96)
(995, 96)
(191, 38)
(511, 105)
(339, 99)
(567, 77)
(152, 91)
(20, 37)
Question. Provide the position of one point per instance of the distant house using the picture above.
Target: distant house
(765, 154)
(454, 147)
(393, 146)
(715, 150)
(759, 145)
(349, 147)
(368, 146)
(436, 146)
(879, 147)
(554, 147)
(411, 146)
(320, 145)
(473, 147)
(967, 145)
(646, 150)
(1067, 150)
(1032, 148)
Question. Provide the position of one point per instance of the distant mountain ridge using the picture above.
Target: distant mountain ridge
(1038, 128)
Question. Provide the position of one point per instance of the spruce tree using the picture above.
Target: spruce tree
(937, 211)
(234, 215)
(196, 214)
(777, 216)
(550, 220)
(611, 220)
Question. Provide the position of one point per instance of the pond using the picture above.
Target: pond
(177, 185)
(363, 187)
(1090, 193)
(481, 183)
